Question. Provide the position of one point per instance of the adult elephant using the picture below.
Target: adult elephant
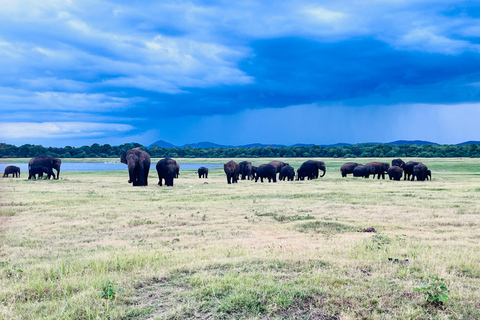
(13, 170)
(363, 171)
(267, 171)
(287, 172)
(48, 162)
(420, 172)
(398, 162)
(167, 169)
(311, 167)
(395, 173)
(138, 162)
(231, 169)
(202, 172)
(246, 170)
(347, 168)
(380, 168)
(408, 169)
(35, 171)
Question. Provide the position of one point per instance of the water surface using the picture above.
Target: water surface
(90, 166)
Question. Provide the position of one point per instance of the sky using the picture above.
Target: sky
(238, 72)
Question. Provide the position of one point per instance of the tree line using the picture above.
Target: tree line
(351, 151)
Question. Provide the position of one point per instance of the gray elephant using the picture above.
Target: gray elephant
(395, 173)
(312, 167)
(420, 172)
(35, 171)
(380, 168)
(48, 162)
(287, 172)
(232, 170)
(408, 169)
(278, 165)
(398, 162)
(167, 169)
(363, 171)
(246, 170)
(429, 174)
(347, 168)
(138, 162)
(13, 170)
(304, 172)
(202, 172)
(267, 171)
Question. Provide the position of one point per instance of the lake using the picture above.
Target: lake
(90, 166)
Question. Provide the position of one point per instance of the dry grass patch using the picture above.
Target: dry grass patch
(250, 250)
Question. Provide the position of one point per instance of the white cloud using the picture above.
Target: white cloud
(23, 100)
(16, 130)
(426, 40)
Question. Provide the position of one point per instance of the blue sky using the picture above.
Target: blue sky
(238, 72)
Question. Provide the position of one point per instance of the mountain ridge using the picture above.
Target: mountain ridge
(208, 144)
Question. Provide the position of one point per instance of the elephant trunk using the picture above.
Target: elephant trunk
(131, 173)
(324, 171)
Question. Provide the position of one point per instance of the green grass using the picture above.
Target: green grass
(286, 250)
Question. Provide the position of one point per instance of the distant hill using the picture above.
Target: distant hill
(162, 144)
(468, 142)
(411, 142)
(207, 144)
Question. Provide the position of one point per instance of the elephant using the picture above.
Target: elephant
(267, 171)
(347, 168)
(138, 162)
(380, 168)
(177, 170)
(408, 169)
(398, 162)
(246, 170)
(278, 165)
(167, 169)
(37, 170)
(46, 161)
(310, 169)
(13, 170)
(231, 169)
(287, 172)
(202, 172)
(303, 172)
(395, 173)
(363, 171)
(420, 171)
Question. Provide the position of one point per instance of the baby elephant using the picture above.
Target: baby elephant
(13, 170)
(202, 172)
(395, 173)
(38, 170)
(287, 172)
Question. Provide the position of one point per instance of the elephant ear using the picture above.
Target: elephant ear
(123, 157)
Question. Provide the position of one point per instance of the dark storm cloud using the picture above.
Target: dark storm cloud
(136, 66)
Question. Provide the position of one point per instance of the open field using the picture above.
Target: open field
(285, 250)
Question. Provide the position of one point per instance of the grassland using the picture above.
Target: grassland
(286, 250)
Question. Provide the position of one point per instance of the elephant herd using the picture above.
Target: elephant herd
(409, 170)
(37, 167)
(309, 169)
(138, 162)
